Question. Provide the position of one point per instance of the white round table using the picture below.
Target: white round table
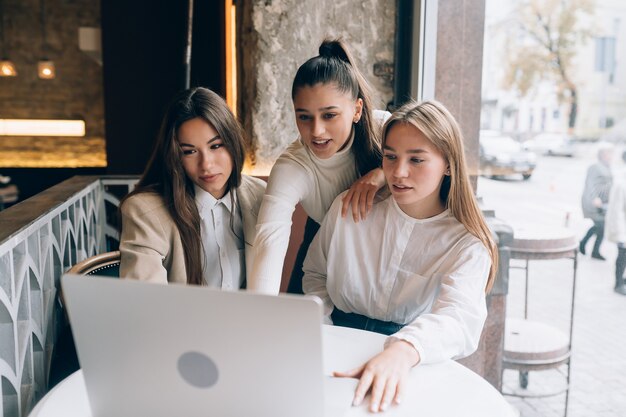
(443, 389)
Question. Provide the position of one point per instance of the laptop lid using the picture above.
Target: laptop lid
(165, 350)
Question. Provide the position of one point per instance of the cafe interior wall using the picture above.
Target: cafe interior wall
(76, 93)
(274, 39)
(121, 102)
(282, 37)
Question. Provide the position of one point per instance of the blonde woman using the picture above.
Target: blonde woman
(418, 267)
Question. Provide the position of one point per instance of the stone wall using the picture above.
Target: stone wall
(277, 36)
(75, 93)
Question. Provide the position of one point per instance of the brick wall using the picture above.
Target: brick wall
(76, 92)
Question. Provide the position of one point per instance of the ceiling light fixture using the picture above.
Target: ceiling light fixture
(39, 127)
(45, 67)
(7, 68)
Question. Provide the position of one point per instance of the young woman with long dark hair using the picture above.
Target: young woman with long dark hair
(338, 148)
(192, 217)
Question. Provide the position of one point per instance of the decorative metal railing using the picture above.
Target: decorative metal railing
(41, 238)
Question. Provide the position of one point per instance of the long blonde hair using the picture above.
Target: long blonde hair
(440, 127)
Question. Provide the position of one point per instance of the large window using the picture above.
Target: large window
(553, 83)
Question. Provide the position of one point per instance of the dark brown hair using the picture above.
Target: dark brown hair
(166, 176)
(335, 65)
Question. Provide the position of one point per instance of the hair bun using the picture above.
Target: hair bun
(333, 48)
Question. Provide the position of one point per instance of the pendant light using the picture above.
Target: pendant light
(45, 67)
(7, 68)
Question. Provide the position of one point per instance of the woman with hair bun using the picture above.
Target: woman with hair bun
(338, 149)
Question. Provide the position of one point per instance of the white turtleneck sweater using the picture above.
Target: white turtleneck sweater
(298, 176)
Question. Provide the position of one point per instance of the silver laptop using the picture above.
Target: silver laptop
(174, 350)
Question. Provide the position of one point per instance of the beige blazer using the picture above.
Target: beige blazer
(150, 245)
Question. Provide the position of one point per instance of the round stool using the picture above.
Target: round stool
(531, 345)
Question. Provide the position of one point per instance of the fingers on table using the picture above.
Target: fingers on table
(389, 393)
(352, 373)
(367, 378)
(385, 390)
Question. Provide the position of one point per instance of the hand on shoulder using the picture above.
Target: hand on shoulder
(360, 196)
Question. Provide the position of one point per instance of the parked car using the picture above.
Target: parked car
(616, 133)
(501, 155)
(554, 144)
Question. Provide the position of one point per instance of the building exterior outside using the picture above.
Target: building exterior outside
(598, 73)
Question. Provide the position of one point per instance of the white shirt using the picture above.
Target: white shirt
(298, 176)
(224, 259)
(429, 274)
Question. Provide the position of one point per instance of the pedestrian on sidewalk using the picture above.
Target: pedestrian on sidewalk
(616, 227)
(595, 198)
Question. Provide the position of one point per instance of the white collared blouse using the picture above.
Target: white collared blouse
(224, 263)
(429, 274)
